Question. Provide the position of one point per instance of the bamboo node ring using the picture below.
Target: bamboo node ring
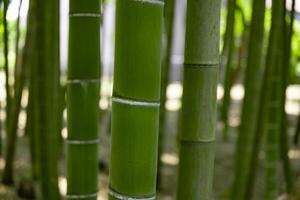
(135, 102)
(80, 142)
(81, 196)
(123, 197)
(151, 1)
(80, 81)
(84, 15)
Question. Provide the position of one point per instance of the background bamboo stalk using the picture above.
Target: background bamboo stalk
(169, 23)
(286, 65)
(197, 143)
(47, 93)
(15, 108)
(227, 68)
(6, 62)
(136, 94)
(274, 100)
(83, 99)
(250, 109)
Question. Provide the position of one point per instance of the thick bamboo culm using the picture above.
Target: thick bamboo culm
(83, 99)
(250, 109)
(197, 139)
(135, 102)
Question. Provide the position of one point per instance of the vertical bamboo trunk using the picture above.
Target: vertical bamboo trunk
(297, 132)
(83, 99)
(136, 95)
(14, 109)
(6, 63)
(250, 109)
(169, 22)
(227, 54)
(47, 84)
(32, 108)
(274, 100)
(284, 140)
(197, 143)
(242, 50)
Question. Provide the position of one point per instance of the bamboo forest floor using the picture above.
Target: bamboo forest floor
(223, 164)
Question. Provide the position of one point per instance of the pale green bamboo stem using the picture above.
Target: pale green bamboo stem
(198, 120)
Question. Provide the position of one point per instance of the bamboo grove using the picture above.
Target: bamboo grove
(149, 99)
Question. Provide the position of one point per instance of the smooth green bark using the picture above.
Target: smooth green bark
(14, 109)
(274, 92)
(169, 22)
(31, 129)
(198, 120)
(6, 63)
(136, 95)
(284, 140)
(83, 99)
(297, 132)
(227, 56)
(250, 109)
(47, 94)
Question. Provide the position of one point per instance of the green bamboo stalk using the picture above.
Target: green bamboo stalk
(136, 95)
(242, 49)
(12, 128)
(6, 62)
(250, 109)
(47, 91)
(227, 53)
(197, 143)
(83, 99)
(284, 141)
(274, 94)
(31, 129)
(169, 22)
(297, 132)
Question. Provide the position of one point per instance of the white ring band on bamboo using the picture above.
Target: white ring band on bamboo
(123, 197)
(151, 1)
(85, 15)
(76, 81)
(81, 142)
(81, 196)
(134, 102)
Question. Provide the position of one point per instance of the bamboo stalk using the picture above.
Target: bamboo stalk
(227, 54)
(6, 63)
(297, 131)
(31, 128)
(274, 100)
(15, 108)
(250, 109)
(83, 99)
(136, 94)
(169, 22)
(197, 143)
(47, 86)
(284, 140)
